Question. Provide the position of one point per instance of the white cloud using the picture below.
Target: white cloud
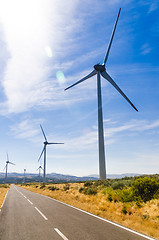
(29, 27)
(27, 129)
(88, 139)
(145, 49)
(153, 6)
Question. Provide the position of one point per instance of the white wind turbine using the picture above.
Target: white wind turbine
(40, 168)
(44, 151)
(24, 175)
(100, 69)
(6, 167)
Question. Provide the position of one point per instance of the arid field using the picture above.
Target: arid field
(3, 191)
(111, 202)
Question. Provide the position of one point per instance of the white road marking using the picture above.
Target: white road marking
(41, 213)
(24, 196)
(60, 233)
(29, 201)
(103, 219)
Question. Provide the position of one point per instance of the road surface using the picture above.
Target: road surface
(30, 216)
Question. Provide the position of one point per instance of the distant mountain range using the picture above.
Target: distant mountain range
(55, 177)
(113, 176)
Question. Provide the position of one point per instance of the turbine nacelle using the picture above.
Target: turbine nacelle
(99, 67)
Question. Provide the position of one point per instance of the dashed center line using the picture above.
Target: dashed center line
(56, 229)
(32, 204)
(29, 201)
(60, 233)
(41, 213)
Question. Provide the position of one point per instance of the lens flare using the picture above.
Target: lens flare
(60, 77)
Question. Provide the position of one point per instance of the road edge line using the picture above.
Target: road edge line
(93, 215)
(103, 219)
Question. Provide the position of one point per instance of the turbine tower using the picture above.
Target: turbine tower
(6, 167)
(44, 151)
(100, 69)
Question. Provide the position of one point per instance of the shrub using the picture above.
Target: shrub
(88, 183)
(42, 186)
(66, 187)
(81, 189)
(145, 188)
(109, 198)
(124, 210)
(89, 191)
(52, 188)
(4, 186)
(127, 195)
(118, 185)
(103, 183)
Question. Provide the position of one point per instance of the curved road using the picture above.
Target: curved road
(29, 216)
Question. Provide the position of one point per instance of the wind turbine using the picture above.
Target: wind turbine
(40, 168)
(6, 167)
(100, 69)
(44, 151)
(24, 175)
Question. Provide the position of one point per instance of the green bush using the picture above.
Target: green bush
(103, 183)
(124, 210)
(4, 186)
(145, 188)
(52, 188)
(81, 189)
(127, 195)
(42, 186)
(66, 187)
(109, 198)
(88, 183)
(90, 191)
(118, 185)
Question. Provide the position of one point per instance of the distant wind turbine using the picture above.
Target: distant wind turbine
(6, 167)
(44, 151)
(40, 168)
(24, 175)
(100, 69)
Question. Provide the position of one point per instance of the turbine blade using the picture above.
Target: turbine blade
(54, 143)
(41, 153)
(107, 77)
(94, 72)
(7, 157)
(43, 133)
(111, 40)
(5, 167)
(11, 163)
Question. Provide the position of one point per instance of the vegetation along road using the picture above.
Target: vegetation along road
(26, 215)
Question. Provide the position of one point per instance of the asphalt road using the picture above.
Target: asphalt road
(30, 216)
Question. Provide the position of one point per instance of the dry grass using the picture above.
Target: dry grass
(3, 192)
(144, 219)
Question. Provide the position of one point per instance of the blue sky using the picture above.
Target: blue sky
(48, 45)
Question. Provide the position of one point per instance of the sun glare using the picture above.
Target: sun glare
(22, 21)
